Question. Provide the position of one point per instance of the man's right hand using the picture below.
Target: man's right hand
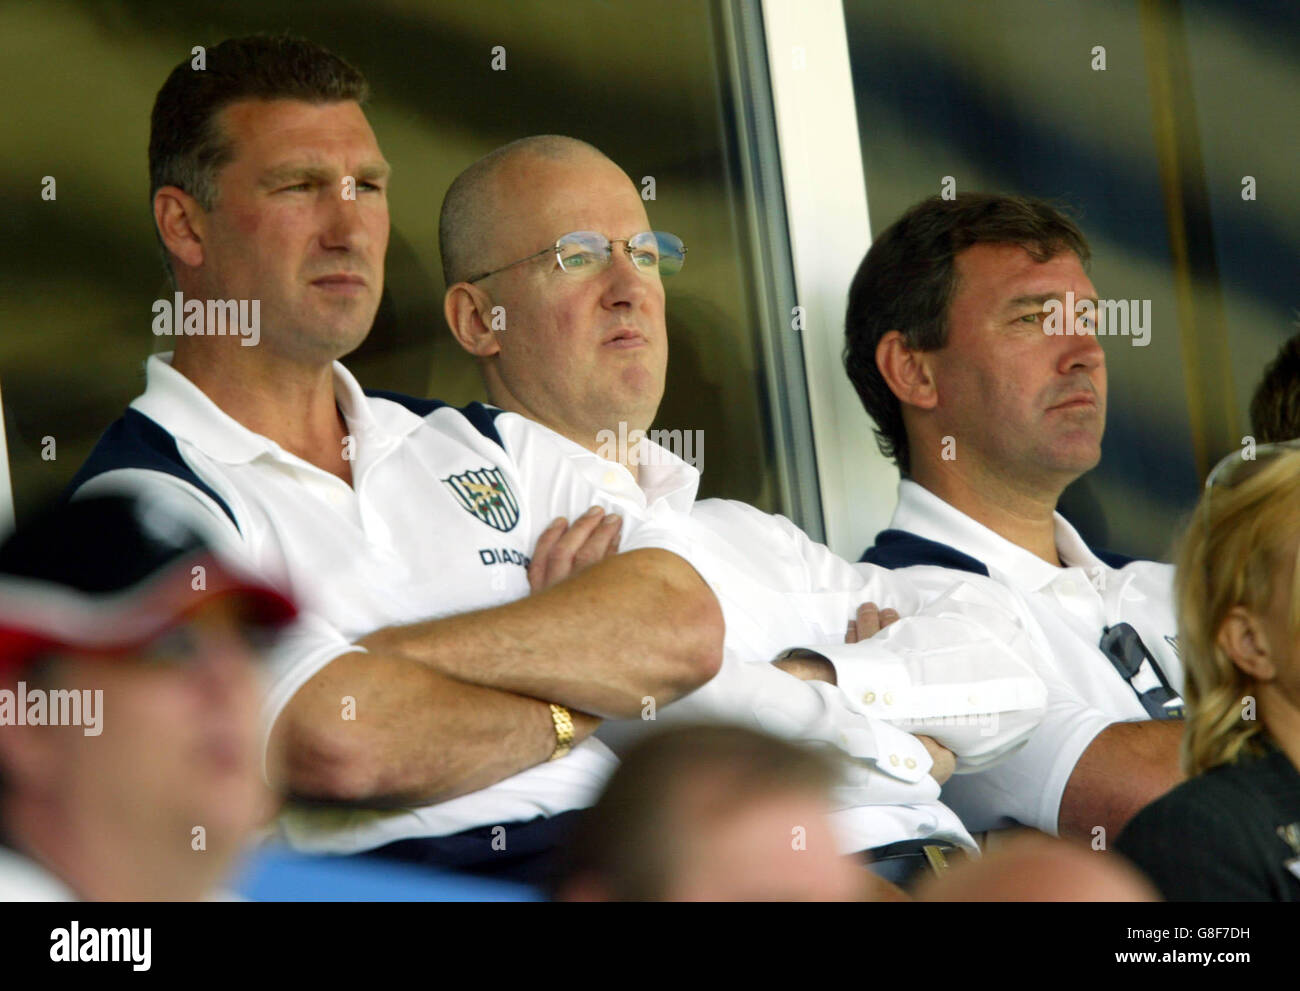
(944, 761)
(565, 548)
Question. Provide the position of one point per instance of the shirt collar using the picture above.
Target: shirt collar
(923, 513)
(663, 476)
(185, 410)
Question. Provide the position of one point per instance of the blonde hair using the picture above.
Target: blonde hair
(1233, 553)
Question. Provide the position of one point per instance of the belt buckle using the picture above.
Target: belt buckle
(935, 858)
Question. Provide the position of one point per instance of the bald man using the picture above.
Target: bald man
(555, 285)
(498, 209)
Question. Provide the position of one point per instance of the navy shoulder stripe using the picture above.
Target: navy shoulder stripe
(420, 407)
(482, 417)
(901, 549)
(136, 441)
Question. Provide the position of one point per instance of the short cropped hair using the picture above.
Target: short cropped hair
(187, 147)
(1275, 407)
(465, 223)
(908, 278)
(682, 777)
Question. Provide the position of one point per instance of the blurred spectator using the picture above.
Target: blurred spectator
(714, 813)
(1037, 868)
(1275, 407)
(129, 739)
(1232, 832)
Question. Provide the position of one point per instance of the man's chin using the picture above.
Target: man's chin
(1073, 459)
(325, 342)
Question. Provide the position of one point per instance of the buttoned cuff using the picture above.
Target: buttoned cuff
(898, 774)
(980, 721)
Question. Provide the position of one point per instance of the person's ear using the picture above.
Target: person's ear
(1243, 639)
(907, 371)
(181, 223)
(473, 320)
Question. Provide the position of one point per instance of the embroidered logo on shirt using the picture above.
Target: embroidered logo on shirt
(485, 494)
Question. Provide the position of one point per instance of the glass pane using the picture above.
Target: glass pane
(648, 84)
(1010, 96)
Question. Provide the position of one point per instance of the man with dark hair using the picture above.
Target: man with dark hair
(913, 276)
(714, 813)
(128, 706)
(445, 721)
(189, 143)
(990, 412)
(1275, 407)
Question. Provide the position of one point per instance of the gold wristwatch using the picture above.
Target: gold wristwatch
(563, 731)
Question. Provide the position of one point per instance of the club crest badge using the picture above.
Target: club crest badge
(485, 495)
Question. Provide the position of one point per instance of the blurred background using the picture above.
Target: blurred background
(1002, 95)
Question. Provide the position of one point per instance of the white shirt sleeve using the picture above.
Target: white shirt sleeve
(959, 667)
(303, 648)
(961, 671)
(892, 765)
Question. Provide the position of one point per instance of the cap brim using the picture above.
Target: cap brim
(37, 617)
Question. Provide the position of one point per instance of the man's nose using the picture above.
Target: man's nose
(626, 283)
(1082, 351)
(344, 224)
(225, 665)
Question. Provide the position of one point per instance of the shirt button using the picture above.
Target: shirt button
(910, 762)
(869, 697)
(889, 698)
(611, 478)
(893, 759)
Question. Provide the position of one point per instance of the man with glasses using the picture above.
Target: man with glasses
(427, 707)
(989, 416)
(553, 286)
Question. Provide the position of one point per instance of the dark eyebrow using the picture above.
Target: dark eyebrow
(293, 173)
(296, 172)
(1040, 298)
(374, 170)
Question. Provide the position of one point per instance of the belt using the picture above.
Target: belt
(900, 862)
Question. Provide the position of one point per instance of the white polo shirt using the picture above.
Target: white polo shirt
(436, 522)
(779, 589)
(1066, 610)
